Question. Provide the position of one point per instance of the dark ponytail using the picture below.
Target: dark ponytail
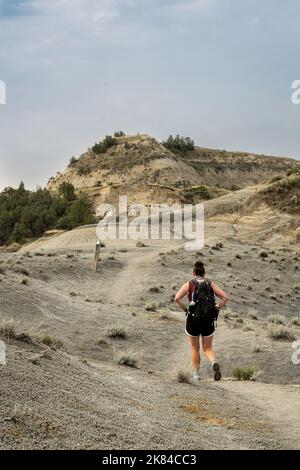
(199, 268)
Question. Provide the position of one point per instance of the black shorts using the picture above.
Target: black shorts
(194, 328)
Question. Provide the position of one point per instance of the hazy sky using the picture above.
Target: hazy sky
(219, 71)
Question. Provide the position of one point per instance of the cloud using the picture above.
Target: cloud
(72, 15)
(191, 6)
(76, 11)
(46, 30)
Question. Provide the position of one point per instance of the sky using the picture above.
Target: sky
(218, 71)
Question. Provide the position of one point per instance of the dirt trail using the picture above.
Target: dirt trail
(267, 397)
(99, 404)
(132, 279)
(281, 403)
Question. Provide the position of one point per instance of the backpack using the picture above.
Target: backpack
(202, 307)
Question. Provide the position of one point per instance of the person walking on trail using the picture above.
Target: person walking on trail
(201, 316)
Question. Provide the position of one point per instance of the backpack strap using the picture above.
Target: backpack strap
(192, 288)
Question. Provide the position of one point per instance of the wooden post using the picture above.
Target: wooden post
(97, 255)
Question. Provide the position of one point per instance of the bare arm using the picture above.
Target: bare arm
(181, 294)
(221, 294)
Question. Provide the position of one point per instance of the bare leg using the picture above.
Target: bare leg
(211, 356)
(195, 346)
(208, 349)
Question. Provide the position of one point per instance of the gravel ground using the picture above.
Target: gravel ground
(76, 396)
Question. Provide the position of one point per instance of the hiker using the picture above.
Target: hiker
(201, 315)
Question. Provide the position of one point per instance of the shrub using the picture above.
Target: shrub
(119, 134)
(22, 271)
(116, 331)
(296, 321)
(67, 191)
(179, 144)
(278, 332)
(240, 373)
(19, 413)
(103, 146)
(154, 290)
(228, 313)
(73, 161)
(128, 359)
(8, 327)
(182, 377)
(164, 315)
(53, 343)
(253, 314)
(275, 179)
(277, 319)
(151, 306)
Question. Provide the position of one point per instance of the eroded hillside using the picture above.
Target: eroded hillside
(147, 172)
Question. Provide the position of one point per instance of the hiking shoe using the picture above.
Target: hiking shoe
(196, 375)
(217, 372)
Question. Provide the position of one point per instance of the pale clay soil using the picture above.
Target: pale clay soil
(78, 397)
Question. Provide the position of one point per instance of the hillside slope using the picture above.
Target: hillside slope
(147, 172)
(80, 397)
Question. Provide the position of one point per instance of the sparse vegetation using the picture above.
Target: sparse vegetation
(151, 306)
(8, 327)
(119, 134)
(53, 343)
(179, 144)
(247, 373)
(116, 331)
(19, 413)
(228, 313)
(280, 332)
(277, 319)
(201, 192)
(22, 271)
(73, 161)
(182, 376)
(129, 359)
(253, 314)
(164, 315)
(282, 195)
(154, 290)
(296, 321)
(103, 146)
